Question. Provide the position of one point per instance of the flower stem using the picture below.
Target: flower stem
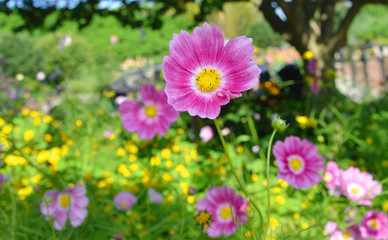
(268, 178)
(236, 176)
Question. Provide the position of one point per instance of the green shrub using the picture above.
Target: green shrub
(19, 55)
(263, 35)
(69, 59)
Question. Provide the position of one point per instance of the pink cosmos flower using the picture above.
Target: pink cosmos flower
(206, 133)
(155, 117)
(70, 203)
(298, 162)
(202, 74)
(359, 186)
(221, 203)
(332, 178)
(374, 225)
(154, 196)
(124, 200)
(351, 233)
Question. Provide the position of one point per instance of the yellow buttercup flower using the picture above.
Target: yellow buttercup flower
(166, 153)
(28, 135)
(155, 161)
(308, 55)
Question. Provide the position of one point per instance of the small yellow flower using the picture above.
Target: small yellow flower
(48, 137)
(167, 177)
(185, 173)
(280, 200)
(25, 111)
(7, 129)
(283, 183)
(304, 225)
(47, 119)
(175, 149)
(155, 161)
(132, 158)
(255, 177)
(248, 234)
(168, 163)
(34, 114)
(78, 123)
(180, 131)
(276, 190)
(166, 153)
(37, 121)
(308, 55)
(187, 158)
(273, 222)
(28, 135)
(369, 140)
(305, 204)
(134, 167)
(296, 216)
(170, 198)
(385, 205)
(120, 152)
(198, 173)
(240, 149)
(190, 199)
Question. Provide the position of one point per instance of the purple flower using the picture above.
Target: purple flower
(154, 196)
(314, 86)
(312, 65)
(3, 178)
(124, 201)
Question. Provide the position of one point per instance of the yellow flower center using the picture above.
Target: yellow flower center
(373, 224)
(150, 111)
(124, 204)
(296, 164)
(355, 190)
(347, 235)
(226, 213)
(203, 218)
(208, 80)
(64, 201)
(328, 177)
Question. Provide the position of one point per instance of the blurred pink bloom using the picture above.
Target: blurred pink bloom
(222, 203)
(314, 86)
(330, 227)
(202, 74)
(298, 162)
(312, 65)
(124, 200)
(206, 133)
(332, 178)
(153, 118)
(257, 116)
(351, 233)
(70, 204)
(359, 186)
(108, 133)
(154, 196)
(114, 39)
(374, 225)
(120, 99)
(225, 131)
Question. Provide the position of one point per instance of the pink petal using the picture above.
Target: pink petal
(60, 220)
(209, 43)
(244, 79)
(238, 51)
(149, 94)
(183, 51)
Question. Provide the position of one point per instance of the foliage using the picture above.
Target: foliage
(69, 58)
(19, 55)
(263, 35)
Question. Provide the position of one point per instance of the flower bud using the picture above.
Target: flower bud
(279, 124)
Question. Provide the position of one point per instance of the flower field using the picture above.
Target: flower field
(206, 152)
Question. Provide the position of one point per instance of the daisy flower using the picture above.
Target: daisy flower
(359, 186)
(219, 212)
(298, 162)
(124, 200)
(202, 73)
(153, 118)
(332, 178)
(374, 225)
(70, 203)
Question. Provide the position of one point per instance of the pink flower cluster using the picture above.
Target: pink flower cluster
(373, 225)
(70, 203)
(356, 185)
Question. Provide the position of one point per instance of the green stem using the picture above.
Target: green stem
(268, 183)
(254, 135)
(236, 177)
(51, 220)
